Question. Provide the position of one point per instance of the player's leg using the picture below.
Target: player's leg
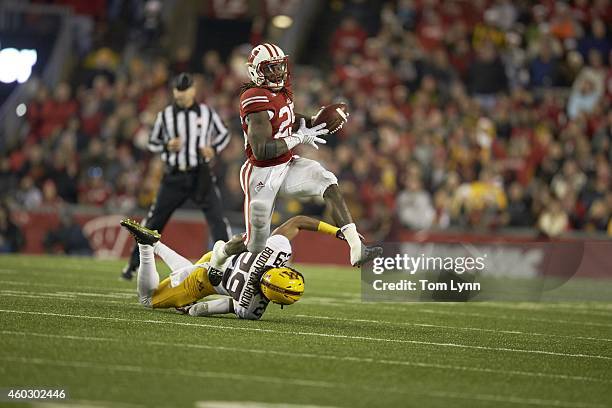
(148, 278)
(260, 186)
(170, 257)
(183, 287)
(169, 197)
(213, 211)
(308, 178)
(342, 217)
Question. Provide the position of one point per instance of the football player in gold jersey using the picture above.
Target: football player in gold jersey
(248, 281)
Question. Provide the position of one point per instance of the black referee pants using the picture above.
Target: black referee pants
(175, 189)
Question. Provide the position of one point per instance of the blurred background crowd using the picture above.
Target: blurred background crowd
(472, 115)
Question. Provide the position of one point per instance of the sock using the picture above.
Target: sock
(212, 307)
(352, 238)
(260, 227)
(219, 255)
(170, 257)
(351, 235)
(148, 278)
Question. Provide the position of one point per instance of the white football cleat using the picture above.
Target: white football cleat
(364, 254)
(218, 255)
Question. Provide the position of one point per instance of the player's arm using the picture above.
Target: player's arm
(211, 307)
(260, 139)
(259, 136)
(294, 225)
(289, 229)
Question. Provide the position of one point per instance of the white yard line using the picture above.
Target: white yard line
(54, 296)
(22, 292)
(300, 333)
(507, 317)
(254, 404)
(167, 371)
(94, 289)
(387, 322)
(513, 400)
(319, 356)
(386, 307)
(211, 375)
(103, 295)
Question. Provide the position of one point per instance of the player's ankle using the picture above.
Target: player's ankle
(351, 235)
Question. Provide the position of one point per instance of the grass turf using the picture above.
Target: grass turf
(71, 323)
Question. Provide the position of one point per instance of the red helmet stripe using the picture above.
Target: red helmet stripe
(270, 49)
(277, 49)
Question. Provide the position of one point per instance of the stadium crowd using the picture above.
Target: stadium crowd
(478, 115)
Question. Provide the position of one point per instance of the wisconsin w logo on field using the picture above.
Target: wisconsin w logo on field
(106, 236)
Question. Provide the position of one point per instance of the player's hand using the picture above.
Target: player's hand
(184, 309)
(208, 152)
(174, 145)
(309, 136)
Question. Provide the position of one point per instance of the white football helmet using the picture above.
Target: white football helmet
(268, 66)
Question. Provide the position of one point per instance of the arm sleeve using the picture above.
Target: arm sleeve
(220, 135)
(156, 138)
(212, 307)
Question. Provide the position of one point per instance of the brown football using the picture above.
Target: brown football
(335, 116)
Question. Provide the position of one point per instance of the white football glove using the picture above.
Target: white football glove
(308, 136)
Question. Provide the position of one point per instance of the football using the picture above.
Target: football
(335, 116)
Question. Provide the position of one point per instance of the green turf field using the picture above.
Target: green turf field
(71, 323)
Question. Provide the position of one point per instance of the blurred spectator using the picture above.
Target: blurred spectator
(518, 214)
(544, 69)
(11, 237)
(414, 206)
(486, 75)
(68, 238)
(553, 221)
(595, 39)
(349, 38)
(28, 195)
(586, 92)
(463, 89)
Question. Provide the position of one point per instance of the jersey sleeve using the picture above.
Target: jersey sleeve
(255, 100)
(253, 311)
(280, 247)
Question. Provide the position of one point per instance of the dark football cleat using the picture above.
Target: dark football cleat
(368, 254)
(141, 234)
(128, 273)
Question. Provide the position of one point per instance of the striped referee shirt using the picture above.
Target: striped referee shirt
(198, 126)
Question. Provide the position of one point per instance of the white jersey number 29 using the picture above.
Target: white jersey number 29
(284, 130)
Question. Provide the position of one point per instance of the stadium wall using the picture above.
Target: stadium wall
(187, 233)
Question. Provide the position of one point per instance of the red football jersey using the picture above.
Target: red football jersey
(280, 110)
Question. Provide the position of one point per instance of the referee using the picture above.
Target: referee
(188, 135)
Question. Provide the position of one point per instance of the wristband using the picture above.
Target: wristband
(292, 141)
(327, 228)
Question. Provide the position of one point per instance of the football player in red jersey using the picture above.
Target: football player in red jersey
(268, 122)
